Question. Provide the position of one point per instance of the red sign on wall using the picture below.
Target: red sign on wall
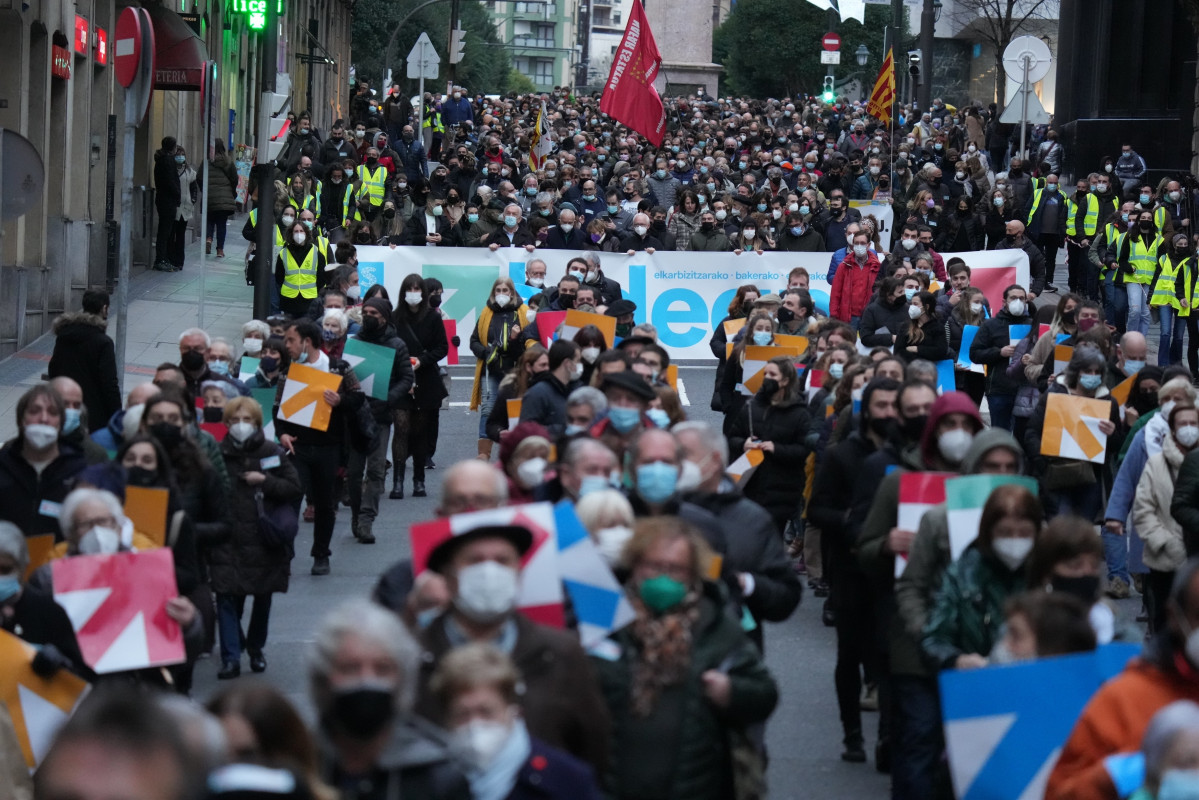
(81, 39)
(101, 38)
(60, 62)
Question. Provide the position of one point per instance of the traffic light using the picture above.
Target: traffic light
(457, 45)
(914, 64)
(829, 95)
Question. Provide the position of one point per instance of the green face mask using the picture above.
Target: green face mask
(623, 330)
(662, 593)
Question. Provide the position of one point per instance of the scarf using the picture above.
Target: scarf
(483, 330)
(498, 780)
(665, 654)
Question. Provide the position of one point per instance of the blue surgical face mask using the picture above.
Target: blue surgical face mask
(624, 419)
(1145, 199)
(1132, 366)
(574, 430)
(222, 367)
(593, 483)
(70, 420)
(661, 174)
(425, 618)
(614, 209)
(659, 417)
(741, 165)
(1179, 784)
(9, 586)
(510, 221)
(805, 210)
(472, 218)
(763, 338)
(797, 230)
(656, 482)
(836, 369)
(909, 293)
(762, 207)
(1090, 382)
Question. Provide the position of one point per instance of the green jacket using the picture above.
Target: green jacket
(968, 612)
(683, 744)
(916, 590)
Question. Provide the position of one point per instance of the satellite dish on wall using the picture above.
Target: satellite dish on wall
(1030, 48)
(22, 175)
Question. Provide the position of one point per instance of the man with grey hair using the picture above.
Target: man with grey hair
(770, 589)
(513, 233)
(567, 234)
(609, 289)
(583, 407)
(640, 238)
(586, 466)
(193, 359)
(362, 676)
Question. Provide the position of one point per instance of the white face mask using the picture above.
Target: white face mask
(502, 300)
(908, 244)
(860, 250)
(100, 541)
(1187, 435)
(531, 315)
(1166, 408)
(479, 741)
(240, 431)
(640, 229)
(413, 298)
(690, 476)
(300, 238)
(977, 308)
(590, 354)
(536, 283)
(748, 234)
(914, 312)
(132, 420)
(531, 473)
(1012, 551)
(354, 292)
(611, 541)
(39, 436)
(954, 444)
(722, 215)
(251, 346)
(578, 371)
(486, 591)
(566, 227)
(1016, 308)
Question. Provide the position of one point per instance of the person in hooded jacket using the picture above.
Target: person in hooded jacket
(496, 344)
(246, 563)
(377, 330)
(967, 613)
(775, 422)
(919, 742)
(888, 310)
(84, 352)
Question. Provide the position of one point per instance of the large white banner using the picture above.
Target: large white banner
(684, 295)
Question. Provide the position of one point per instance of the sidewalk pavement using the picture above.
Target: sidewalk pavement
(161, 306)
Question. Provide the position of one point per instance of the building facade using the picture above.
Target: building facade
(541, 37)
(58, 89)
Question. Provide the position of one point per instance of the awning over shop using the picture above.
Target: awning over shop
(179, 54)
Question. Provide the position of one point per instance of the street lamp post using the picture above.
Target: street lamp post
(862, 54)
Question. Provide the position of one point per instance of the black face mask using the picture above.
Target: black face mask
(768, 388)
(786, 315)
(1084, 587)
(566, 300)
(361, 711)
(1144, 402)
(192, 361)
(167, 434)
(435, 300)
(268, 364)
(372, 161)
(913, 428)
(1070, 316)
(882, 427)
(140, 476)
(371, 325)
(388, 213)
(707, 227)
(212, 414)
(1146, 224)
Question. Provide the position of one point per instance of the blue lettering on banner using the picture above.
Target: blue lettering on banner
(369, 273)
(693, 314)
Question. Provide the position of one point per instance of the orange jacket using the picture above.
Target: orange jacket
(1114, 721)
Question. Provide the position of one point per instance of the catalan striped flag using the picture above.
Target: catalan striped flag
(540, 145)
(883, 95)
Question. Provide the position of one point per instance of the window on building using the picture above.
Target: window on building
(543, 72)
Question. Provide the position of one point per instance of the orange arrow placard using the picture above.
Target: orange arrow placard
(800, 343)
(731, 326)
(742, 468)
(41, 551)
(1072, 428)
(38, 706)
(303, 401)
(1062, 353)
(755, 362)
(1122, 390)
(146, 508)
(576, 320)
(513, 413)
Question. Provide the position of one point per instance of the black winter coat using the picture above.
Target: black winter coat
(933, 347)
(545, 403)
(84, 353)
(777, 483)
(424, 335)
(502, 319)
(991, 338)
(22, 490)
(879, 314)
(168, 192)
(243, 563)
(207, 504)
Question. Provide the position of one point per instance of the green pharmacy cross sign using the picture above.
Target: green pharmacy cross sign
(254, 11)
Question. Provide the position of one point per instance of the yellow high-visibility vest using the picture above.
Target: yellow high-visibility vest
(299, 279)
(1090, 222)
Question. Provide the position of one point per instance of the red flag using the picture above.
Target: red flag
(884, 92)
(629, 96)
